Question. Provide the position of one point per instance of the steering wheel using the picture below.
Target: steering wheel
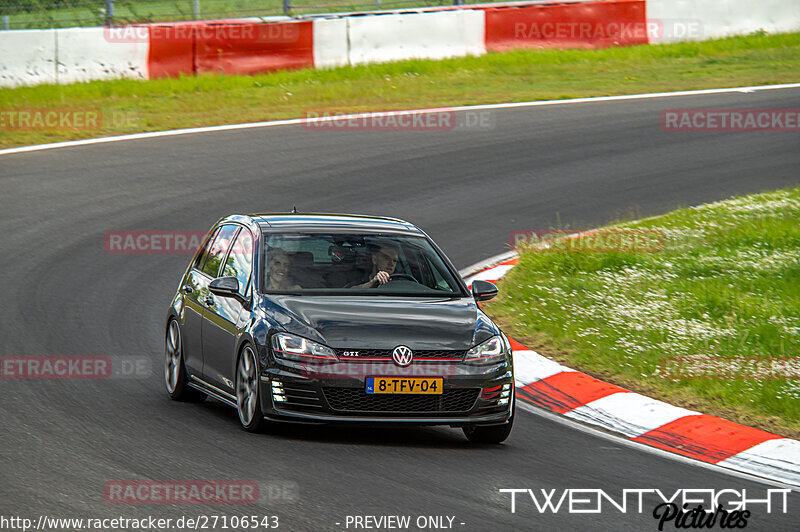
(396, 276)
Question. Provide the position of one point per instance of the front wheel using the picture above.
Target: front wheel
(247, 401)
(490, 433)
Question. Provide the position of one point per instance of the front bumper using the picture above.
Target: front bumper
(336, 393)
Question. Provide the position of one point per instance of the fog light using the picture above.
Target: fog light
(503, 401)
(505, 394)
(277, 392)
(506, 387)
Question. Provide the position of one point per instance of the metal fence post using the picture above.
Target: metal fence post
(109, 12)
(287, 6)
(5, 22)
(196, 9)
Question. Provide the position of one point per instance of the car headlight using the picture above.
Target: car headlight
(291, 347)
(490, 351)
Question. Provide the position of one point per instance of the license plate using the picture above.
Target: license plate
(404, 385)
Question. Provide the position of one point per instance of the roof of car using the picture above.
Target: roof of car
(355, 221)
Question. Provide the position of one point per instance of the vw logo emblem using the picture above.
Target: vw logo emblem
(402, 355)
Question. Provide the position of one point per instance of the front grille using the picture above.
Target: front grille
(387, 354)
(357, 400)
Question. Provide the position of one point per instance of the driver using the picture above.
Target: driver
(279, 274)
(384, 261)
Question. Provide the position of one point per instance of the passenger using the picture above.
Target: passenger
(384, 261)
(279, 270)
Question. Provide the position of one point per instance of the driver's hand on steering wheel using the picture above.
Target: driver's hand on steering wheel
(380, 278)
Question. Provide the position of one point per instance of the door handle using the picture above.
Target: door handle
(209, 301)
(188, 289)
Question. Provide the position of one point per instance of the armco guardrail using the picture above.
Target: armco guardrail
(243, 47)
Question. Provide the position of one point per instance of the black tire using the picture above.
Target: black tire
(248, 394)
(175, 377)
(489, 433)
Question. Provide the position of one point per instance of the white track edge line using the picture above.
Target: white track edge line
(296, 121)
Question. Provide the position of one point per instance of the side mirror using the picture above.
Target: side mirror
(225, 287)
(483, 290)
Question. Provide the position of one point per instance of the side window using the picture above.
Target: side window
(240, 260)
(216, 252)
(201, 257)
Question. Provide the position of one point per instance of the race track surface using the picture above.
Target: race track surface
(570, 165)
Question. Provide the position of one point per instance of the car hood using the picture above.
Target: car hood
(371, 322)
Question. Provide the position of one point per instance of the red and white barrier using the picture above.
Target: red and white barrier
(244, 47)
(254, 48)
(434, 35)
(84, 54)
(590, 25)
(27, 57)
(692, 20)
(331, 46)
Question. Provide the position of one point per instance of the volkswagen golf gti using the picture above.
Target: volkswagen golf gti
(337, 318)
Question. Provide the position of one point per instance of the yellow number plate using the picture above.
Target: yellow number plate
(404, 385)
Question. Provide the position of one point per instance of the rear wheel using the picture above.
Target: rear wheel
(490, 433)
(174, 371)
(248, 403)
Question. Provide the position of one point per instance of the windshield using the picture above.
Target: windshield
(354, 264)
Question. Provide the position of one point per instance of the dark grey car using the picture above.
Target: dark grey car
(337, 318)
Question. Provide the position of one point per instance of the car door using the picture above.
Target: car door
(207, 269)
(226, 316)
(193, 286)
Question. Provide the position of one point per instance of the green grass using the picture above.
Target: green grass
(726, 285)
(48, 14)
(498, 77)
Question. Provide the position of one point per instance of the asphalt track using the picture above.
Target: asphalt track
(577, 165)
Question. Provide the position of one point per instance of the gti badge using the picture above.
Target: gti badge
(402, 355)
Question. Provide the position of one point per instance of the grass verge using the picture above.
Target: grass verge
(134, 106)
(724, 291)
